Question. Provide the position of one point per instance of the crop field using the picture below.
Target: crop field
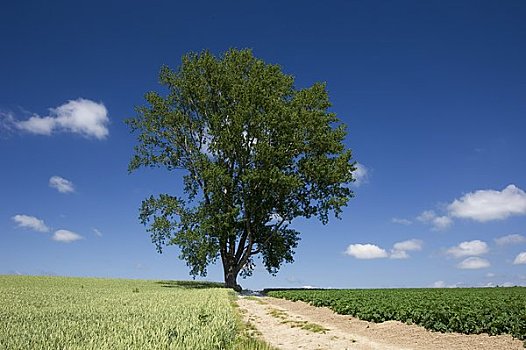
(89, 313)
(464, 310)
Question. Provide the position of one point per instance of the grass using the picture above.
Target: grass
(89, 313)
(308, 326)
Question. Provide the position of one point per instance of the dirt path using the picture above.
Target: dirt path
(296, 325)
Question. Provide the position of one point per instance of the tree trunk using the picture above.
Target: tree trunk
(231, 276)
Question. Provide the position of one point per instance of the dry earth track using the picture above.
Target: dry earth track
(279, 322)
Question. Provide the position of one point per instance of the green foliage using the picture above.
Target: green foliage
(464, 310)
(256, 152)
(88, 313)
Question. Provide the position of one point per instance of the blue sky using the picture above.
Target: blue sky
(433, 93)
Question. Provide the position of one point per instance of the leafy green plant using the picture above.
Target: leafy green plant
(464, 310)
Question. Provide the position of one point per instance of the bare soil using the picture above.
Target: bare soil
(290, 325)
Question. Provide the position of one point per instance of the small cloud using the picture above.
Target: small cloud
(439, 284)
(372, 251)
(66, 236)
(360, 175)
(411, 244)
(399, 254)
(401, 221)
(442, 284)
(442, 222)
(510, 239)
(30, 222)
(426, 216)
(487, 205)
(473, 263)
(400, 249)
(14, 272)
(308, 287)
(7, 123)
(490, 275)
(520, 259)
(488, 285)
(471, 248)
(439, 223)
(80, 116)
(366, 251)
(97, 232)
(62, 185)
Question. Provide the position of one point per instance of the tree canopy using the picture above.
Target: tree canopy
(256, 153)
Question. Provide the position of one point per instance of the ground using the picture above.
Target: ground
(290, 325)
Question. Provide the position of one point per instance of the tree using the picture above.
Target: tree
(256, 153)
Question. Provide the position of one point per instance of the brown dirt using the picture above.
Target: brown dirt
(279, 323)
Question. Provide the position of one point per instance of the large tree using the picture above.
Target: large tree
(256, 153)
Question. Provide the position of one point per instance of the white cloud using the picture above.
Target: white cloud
(520, 259)
(372, 251)
(439, 222)
(442, 222)
(66, 236)
(486, 205)
(7, 122)
(490, 275)
(400, 249)
(426, 216)
(97, 232)
(61, 184)
(80, 116)
(399, 254)
(411, 244)
(473, 263)
(401, 221)
(439, 284)
(360, 175)
(510, 239)
(442, 284)
(30, 222)
(366, 251)
(470, 248)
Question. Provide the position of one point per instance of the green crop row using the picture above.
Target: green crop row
(80, 313)
(464, 310)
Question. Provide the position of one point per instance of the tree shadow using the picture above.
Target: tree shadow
(190, 284)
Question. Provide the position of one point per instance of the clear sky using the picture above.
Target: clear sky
(433, 93)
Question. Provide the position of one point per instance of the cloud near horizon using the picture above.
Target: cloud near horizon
(62, 185)
(80, 116)
(30, 222)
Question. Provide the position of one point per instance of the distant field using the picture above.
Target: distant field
(464, 310)
(88, 313)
